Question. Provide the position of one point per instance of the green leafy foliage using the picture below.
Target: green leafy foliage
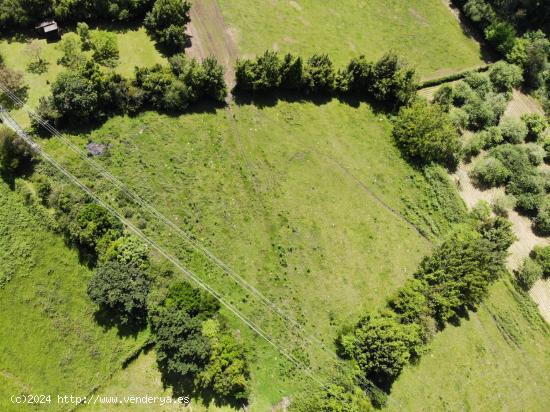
(90, 224)
(424, 133)
(529, 272)
(541, 254)
(536, 125)
(15, 155)
(513, 130)
(490, 171)
(105, 48)
(166, 24)
(505, 76)
(120, 289)
(12, 80)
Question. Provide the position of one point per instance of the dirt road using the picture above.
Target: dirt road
(211, 37)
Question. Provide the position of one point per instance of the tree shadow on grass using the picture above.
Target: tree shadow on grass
(185, 386)
(273, 98)
(108, 320)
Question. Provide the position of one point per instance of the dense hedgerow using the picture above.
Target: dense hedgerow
(89, 94)
(454, 279)
(389, 80)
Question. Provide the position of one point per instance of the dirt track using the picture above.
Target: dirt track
(211, 37)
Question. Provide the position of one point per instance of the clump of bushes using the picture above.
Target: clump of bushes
(513, 130)
(15, 155)
(424, 133)
(90, 94)
(490, 171)
(389, 80)
(529, 272)
(193, 343)
(541, 255)
(166, 24)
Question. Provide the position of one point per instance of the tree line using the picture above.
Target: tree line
(389, 80)
(453, 280)
(193, 341)
(88, 94)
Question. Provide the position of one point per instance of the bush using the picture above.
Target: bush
(105, 47)
(319, 74)
(480, 113)
(513, 130)
(462, 93)
(424, 133)
(12, 80)
(121, 289)
(490, 172)
(75, 97)
(514, 158)
(166, 24)
(127, 250)
(444, 97)
(492, 136)
(71, 47)
(43, 188)
(502, 35)
(541, 223)
(505, 76)
(393, 82)
(458, 117)
(479, 82)
(535, 153)
(541, 255)
(90, 224)
(473, 146)
(383, 346)
(528, 274)
(502, 204)
(15, 154)
(536, 125)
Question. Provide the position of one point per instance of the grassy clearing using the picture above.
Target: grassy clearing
(496, 360)
(50, 340)
(311, 204)
(135, 48)
(424, 32)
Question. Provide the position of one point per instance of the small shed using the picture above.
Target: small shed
(48, 28)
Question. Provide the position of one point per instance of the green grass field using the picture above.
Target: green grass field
(423, 31)
(311, 204)
(51, 343)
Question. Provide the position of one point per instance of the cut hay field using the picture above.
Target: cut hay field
(51, 343)
(425, 32)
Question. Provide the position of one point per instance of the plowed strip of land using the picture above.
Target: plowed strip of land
(211, 37)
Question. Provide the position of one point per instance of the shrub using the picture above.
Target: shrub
(166, 24)
(444, 96)
(502, 204)
(105, 47)
(513, 130)
(490, 171)
(473, 146)
(541, 255)
(83, 31)
(480, 113)
(121, 289)
(541, 223)
(479, 82)
(383, 346)
(545, 177)
(92, 222)
(502, 35)
(514, 158)
(75, 97)
(424, 133)
(71, 47)
(492, 136)
(462, 93)
(12, 80)
(458, 117)
(535, 153)
(292, 73)
(410, 303)
(528, 190)
(536, 125)
(127, 250)
(15, 155)
(393, 82)
(319, 74)
(43, 188)
(529, 272)
(505, 76)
